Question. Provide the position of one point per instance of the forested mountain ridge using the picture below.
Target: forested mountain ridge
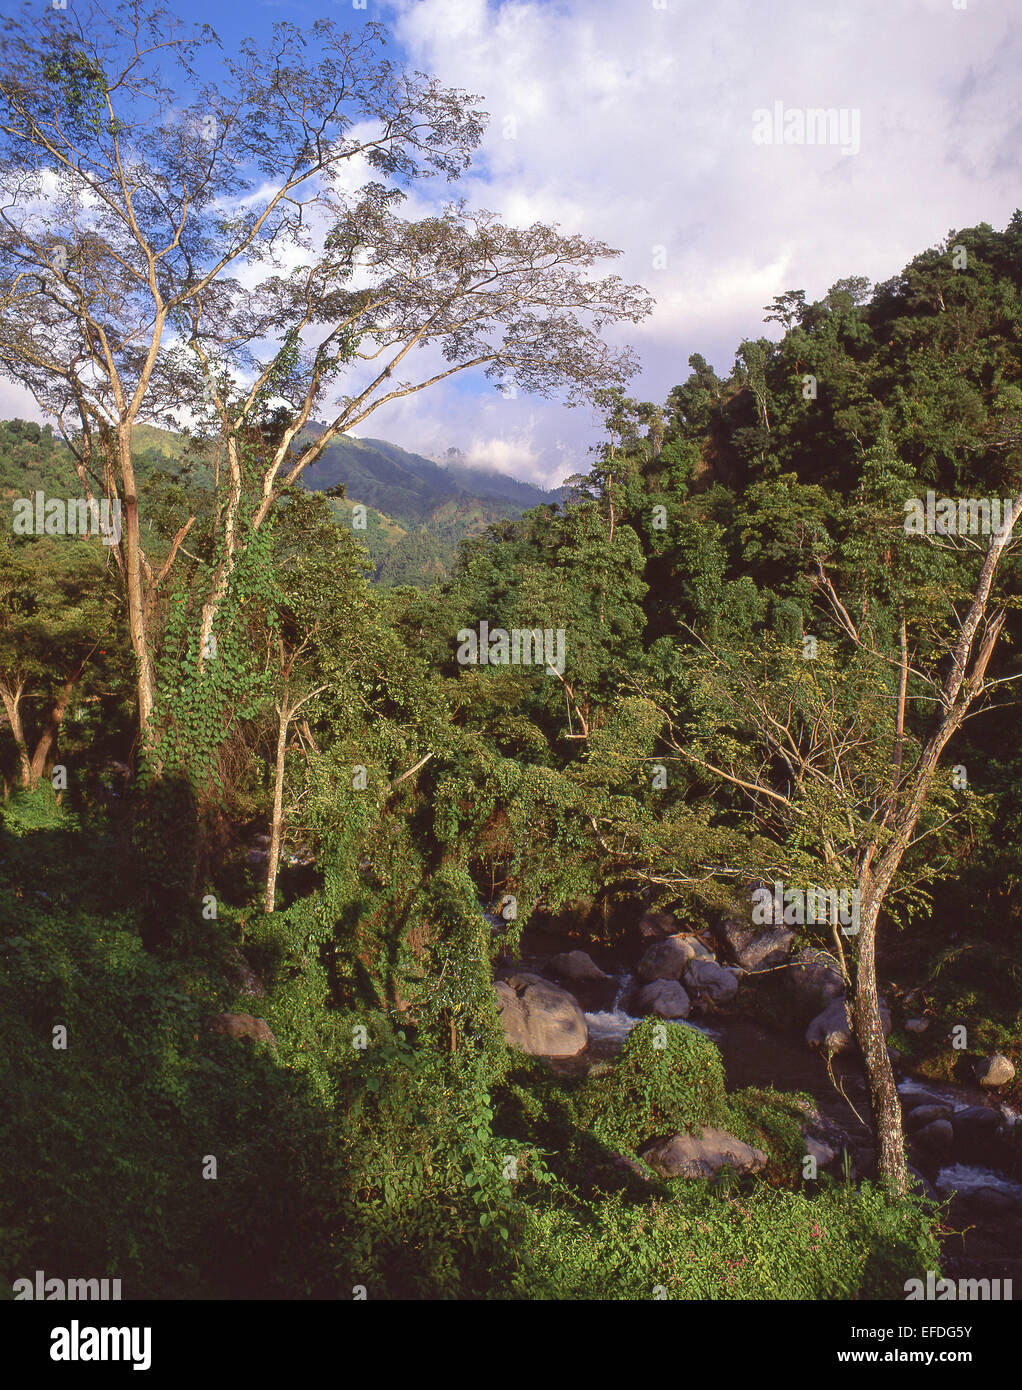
(417, 511)
(408, 486)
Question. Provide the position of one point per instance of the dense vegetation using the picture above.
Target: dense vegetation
(390, 1139)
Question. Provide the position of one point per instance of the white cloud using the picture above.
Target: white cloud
(634, 125)
(16, 403)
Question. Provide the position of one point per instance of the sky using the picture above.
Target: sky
(635, 122)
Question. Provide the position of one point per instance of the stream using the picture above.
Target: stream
(982, 1227)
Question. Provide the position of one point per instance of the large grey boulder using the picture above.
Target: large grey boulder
(685, 1156)
(938, 1134)
(925, 1114)
(657, 925)
(592, 987)
(575, 965)
(666, 960)
(243, 1026)
(993, 1201)
(752, 947)
(714, 981)
(975, 1126)
(540, 1017)
(820, 1150)
(664, 999)
(814, 978)
(831, 1030)
(244, 978)
(769, 949)
(995, 1071)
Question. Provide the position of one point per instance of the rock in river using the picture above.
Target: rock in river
(540, 1017)
(685, 1156)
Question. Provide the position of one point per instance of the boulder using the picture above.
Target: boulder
(575, 965)
(809, 1109)
(817, 1149)
(765, 951)
(753, 948)
(916, 1025)
(925, 1114)
(656, 925)
(539, 1017)
(592, 987)
(993, 1200)
(814, 978)
(243, 1026)
(831, 1030)
(666, 960)
(685, 1156)
(245, 980)
(975, 1125)
(664, 999)
(714, 981)
(938, 1134)
(995, 1071)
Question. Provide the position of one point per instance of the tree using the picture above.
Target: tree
(125, 288)
(317, 636)
(57, 608)
(836, 759)
(787, 309)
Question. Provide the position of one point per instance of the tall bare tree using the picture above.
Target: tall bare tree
(159, 243)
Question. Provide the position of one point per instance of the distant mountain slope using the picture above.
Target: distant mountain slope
(418, 510)
(408, 487)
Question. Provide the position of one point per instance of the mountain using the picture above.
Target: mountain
(408, 487)
(418, 509)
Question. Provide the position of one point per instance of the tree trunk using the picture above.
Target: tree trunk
(277, 829)
(49, 735)
(135, 587)
(228, 520)
(869, 1033)
(12, 704)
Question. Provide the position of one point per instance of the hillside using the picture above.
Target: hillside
(418, 511)
(409, 487)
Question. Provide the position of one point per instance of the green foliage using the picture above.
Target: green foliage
(652, 1090)
(392, 1140)
(701, 1244)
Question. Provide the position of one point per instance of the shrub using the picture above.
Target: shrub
(653, 1090)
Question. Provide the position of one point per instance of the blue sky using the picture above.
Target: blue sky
(633, 121)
